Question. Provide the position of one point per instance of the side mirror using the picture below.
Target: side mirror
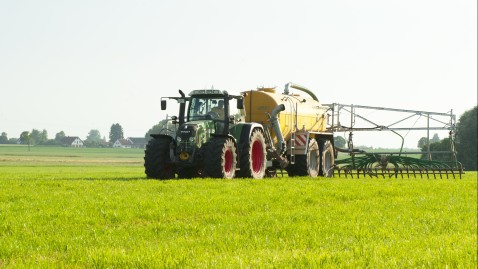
(163, 104)
(240, 103)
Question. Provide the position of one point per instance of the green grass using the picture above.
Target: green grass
(99, 211)
(66, 156)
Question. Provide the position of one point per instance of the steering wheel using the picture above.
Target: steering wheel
(213, 115)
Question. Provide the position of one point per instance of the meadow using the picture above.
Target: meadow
(94, 208)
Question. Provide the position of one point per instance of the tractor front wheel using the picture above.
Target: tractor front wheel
(157, 162)
(220, 158)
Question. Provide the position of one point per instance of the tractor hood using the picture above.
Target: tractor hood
(197, 132)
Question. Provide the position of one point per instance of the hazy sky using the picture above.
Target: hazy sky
(74, 66)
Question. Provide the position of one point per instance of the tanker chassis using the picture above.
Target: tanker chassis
(270, 131)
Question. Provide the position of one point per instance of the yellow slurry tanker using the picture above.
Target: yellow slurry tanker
(295, 129)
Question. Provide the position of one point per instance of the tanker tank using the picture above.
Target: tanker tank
(300, 113)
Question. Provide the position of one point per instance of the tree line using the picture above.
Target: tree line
(37, 137)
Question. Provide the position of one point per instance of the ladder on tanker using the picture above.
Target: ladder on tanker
(292, 148)
(293, 126)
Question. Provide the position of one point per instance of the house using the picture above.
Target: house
(122, 143)
(130, 142)
(138, 142)
(72, 141)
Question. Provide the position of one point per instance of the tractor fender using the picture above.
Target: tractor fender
(227, 136)
(156, 136)
(172, 144)
(244, 131)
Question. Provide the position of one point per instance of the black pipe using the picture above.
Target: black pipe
(182, 108)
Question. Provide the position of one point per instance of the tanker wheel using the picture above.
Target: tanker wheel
(290, 169)
(220, 159)
(299, 168)
(253, 156)
(157, 162)
(327, 159)
(313, 159)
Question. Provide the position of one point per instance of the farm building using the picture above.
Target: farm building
(122, 143)
(138, 142)
(130, 142)
(72, 141)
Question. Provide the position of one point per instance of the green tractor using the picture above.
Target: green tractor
(209, 141)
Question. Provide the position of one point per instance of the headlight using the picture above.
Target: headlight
(191, 139)
(178, 139)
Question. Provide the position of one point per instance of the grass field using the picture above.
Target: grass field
(94, 208)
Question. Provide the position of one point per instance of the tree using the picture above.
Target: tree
(39, 137)
(422, 142)
(25, 138)
(163, 127)
(466, 139)
(43, 136)
(116, 132)
(94, 139)
(59, 136)
(35, 136)
(93, 136)
(339, 142)
(4, 138)
(435, 139)
(442, 145)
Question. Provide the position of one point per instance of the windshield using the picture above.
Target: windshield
(202, 108)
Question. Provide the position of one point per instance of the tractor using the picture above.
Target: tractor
(209, 141)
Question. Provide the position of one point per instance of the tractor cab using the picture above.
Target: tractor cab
(207, 106)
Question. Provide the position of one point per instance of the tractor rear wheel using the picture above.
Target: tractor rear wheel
(253, 156)
(186, 172)
(157, 162)
(220, 158)
(327, 159)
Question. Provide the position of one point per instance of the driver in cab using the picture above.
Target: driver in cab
(219, 109)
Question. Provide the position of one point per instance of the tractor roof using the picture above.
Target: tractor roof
(206, 92)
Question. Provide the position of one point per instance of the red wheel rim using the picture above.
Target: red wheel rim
(257, 156)
(228, 161)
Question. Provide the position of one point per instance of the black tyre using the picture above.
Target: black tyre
(253, 156)
(290, 168)
(157, 162)
(186, 172)
(313, 159)
(301, 165)
(299, 168)
(220, 158)
(327, 159)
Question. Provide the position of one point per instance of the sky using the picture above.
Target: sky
(74, 66)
